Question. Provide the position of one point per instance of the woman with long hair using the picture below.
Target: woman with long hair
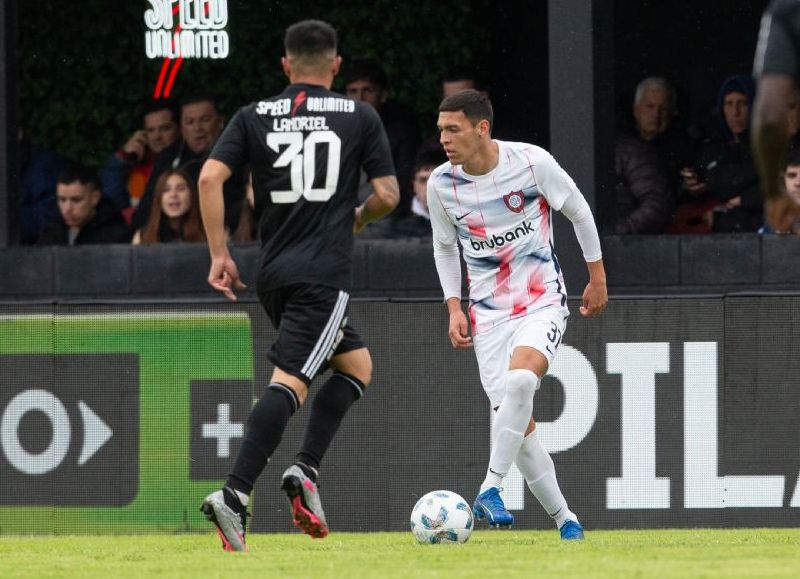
(175, 213)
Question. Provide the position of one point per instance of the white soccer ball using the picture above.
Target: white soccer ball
(442, 517)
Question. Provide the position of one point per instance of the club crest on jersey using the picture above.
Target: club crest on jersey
(514, 201)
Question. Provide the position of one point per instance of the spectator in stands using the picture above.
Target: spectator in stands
(86, 216)
(724, 184)
(175, 214)
(793, 125)
(789, 223)
(644, 200)
(201, 125)
(38, 173)
(418, 222)
(461, 78)
(125, 174)
(365, 80)
(247, 229)
(655, 113)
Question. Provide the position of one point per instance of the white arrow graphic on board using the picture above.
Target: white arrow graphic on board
(95, 433)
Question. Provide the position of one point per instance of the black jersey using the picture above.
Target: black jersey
(778, 50)
(306, 148)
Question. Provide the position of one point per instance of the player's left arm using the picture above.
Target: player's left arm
(382, 201)
(775, 66)
(563, 195)
(771, 129)
(595, 296)
(379, 167)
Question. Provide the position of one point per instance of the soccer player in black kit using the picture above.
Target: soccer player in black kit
(306, 148)
(777, 69)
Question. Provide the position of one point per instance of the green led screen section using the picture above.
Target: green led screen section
(118, 422)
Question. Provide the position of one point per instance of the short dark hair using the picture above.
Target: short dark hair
(475, 105)
(77, 173)
(310, 38)
(367, 69)
(164, 104)
(200, 96)
(793, 158)
(459, 73)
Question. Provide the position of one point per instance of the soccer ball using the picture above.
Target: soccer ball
(441, 517)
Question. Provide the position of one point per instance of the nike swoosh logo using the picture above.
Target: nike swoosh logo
(463, 216)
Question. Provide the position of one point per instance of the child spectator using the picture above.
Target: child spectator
(791, 180)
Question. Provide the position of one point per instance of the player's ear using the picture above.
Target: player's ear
(337, 64)
(287, 68)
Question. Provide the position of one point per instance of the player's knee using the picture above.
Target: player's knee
(300, 390)
(357, 363)
(521, 384)
(298, 386)
(365, 370)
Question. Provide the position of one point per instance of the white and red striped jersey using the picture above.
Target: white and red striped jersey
(504, 223)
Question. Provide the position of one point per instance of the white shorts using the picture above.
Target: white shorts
(541, 330)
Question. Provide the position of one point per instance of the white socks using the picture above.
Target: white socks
(537, 467)
(510, 423)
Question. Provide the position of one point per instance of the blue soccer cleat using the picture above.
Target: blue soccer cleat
(489, 505)
(571, 531)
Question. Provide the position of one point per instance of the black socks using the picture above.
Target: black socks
(329, 407)
(268, 420)
(265, 427)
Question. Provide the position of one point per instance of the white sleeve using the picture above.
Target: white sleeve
(552, 180)
(576, 209)
(445, 246)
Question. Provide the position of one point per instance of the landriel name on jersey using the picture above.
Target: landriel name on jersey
(300, 124)
(501, 240)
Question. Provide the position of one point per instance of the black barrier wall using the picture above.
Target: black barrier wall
(660, 413)
(635, 264)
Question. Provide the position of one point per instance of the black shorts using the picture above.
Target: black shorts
(776, 52)
(312, 327)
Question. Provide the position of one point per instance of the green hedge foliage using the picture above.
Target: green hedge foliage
(84, 73)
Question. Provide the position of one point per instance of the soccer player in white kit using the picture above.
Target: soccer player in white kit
(495, 198)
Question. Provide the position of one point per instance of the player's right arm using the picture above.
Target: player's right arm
(448, 267)
(223, 274)
(384, 198)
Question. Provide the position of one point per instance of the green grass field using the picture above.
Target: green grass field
(613, 554)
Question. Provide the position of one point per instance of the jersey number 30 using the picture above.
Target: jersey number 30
(300, 155)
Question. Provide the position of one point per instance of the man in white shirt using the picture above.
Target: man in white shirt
(495, 197)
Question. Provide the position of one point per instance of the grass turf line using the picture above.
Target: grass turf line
(692, 553)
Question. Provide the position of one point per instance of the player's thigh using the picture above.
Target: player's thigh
(311, 321)
(492, 353)
(536, 340)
